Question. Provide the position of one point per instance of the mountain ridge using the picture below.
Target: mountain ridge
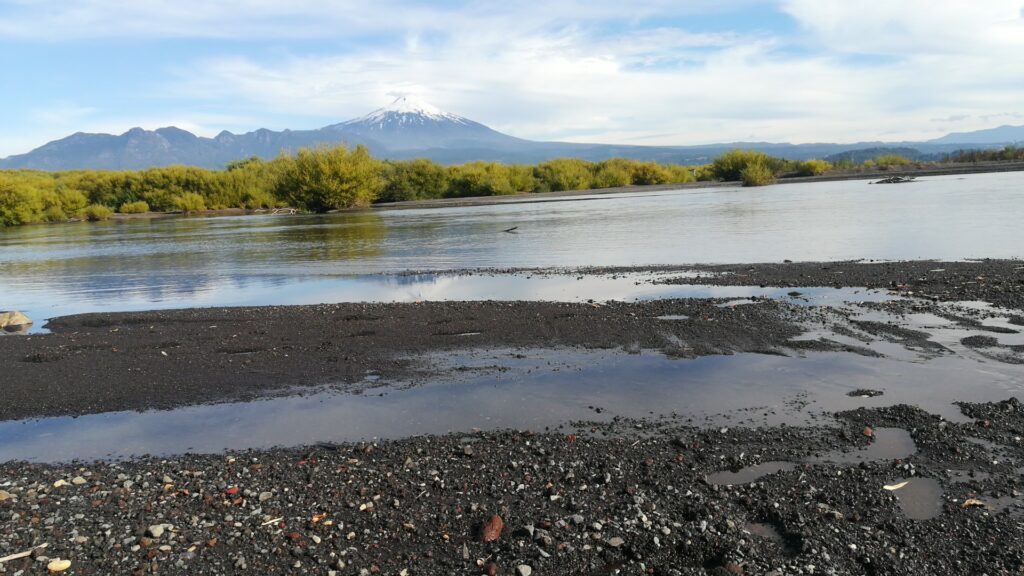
(411, 128)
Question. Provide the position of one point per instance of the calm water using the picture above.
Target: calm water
(53, 270)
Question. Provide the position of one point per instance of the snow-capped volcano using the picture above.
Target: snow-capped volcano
(410, 123)
(406, 110)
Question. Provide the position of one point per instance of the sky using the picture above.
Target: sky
(610, 71)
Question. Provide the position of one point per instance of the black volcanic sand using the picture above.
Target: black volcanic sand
(998, 282)
(627, 497)
(103, 362)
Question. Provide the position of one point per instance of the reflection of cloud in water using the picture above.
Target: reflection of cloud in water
(185, 262)
(165, 291)
(529, 396)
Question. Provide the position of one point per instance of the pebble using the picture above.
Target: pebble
(524, 570)
(78, 481)
(58, 565)
(157, 530)
(615, 542)
(264, 496)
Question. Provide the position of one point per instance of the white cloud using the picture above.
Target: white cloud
(664, 86)
(599, 71)
(913, 27)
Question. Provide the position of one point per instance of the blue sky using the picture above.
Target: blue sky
(640, 72)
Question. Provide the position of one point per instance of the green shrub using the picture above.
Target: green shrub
(96, 212)
(564, 174)
(414, 180)
(139, 207)
(731, 165)
(889, 161)
(757, 174)
(323, 179)
(813, 167)
(648, 173)
(190, 202)
(612, 176)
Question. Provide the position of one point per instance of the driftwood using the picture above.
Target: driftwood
(512, 229)
(24, 554)
(896, 180)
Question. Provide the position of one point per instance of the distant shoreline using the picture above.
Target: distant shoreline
(585, 194)
(567, 195)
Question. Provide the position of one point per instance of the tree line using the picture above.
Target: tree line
(332, 178)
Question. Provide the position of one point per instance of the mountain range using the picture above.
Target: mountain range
(410, 128)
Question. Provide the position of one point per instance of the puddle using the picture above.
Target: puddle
(889, 444)
(534, 389)
(748, 474)
(739, 302)
(920, 499)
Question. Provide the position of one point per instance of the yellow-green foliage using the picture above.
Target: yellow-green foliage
(96, 212)
(317, 179)
(323, 179)
(613, 173)
(812, 167)
(414, 180)
(189, 202)
(757, 174)
(483, 179)
(139, 207)
(731, 165)
(889, 161)
(564, 174)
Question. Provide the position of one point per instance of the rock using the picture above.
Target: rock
(492, 529)
(734, 568)
(264, 496)
(615, 542)
(524, 570)
(157, 530)
(78, 481)
(492, 569)
(868, 432)
(14, 321)
(58, 565)
(5, 495)
(60, 483)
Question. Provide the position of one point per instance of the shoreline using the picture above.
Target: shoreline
(579, 195)
(574, 195)
(169, 358)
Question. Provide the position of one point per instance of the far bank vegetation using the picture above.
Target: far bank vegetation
(334, 178)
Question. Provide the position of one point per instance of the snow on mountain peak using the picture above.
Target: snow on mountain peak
(406, 109)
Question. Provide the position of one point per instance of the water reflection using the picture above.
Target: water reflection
(199, 260)
(532, 390)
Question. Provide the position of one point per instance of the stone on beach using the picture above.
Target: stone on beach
(14, 321)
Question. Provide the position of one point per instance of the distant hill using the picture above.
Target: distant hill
(1002, 135)
(409, 128)
(860, 155)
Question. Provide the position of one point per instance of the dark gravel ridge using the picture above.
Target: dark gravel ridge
(102, 362)
(998, 282)
(627, 497)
